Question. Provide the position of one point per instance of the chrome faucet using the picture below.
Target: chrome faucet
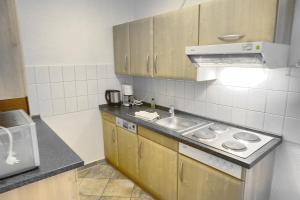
(172, 111)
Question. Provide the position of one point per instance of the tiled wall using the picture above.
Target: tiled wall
(258, 98)
(56, 90)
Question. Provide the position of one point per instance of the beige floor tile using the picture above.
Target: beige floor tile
(114, 198)
(103, 171)
(139, 194)
(119, 188)
(89, 197)
(92, 186)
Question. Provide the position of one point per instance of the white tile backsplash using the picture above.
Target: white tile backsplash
(44, 91)
(276, 102)
(92, 86)
(91, 72)
(68, 73)
(70, 89)
(293, 105)
(42, 74)
(291, 130)
(56, 74)
(257, 98)
(273, 123)
(56, 90)
(81, 88)
(80, 72)
(71, 104)
(59, 106)
(82, 103)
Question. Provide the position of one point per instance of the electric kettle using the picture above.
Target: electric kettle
(113, 97)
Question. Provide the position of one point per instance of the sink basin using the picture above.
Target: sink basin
(177, 123)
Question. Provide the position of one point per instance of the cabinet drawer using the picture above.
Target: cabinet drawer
(109, 117)
(158, 138)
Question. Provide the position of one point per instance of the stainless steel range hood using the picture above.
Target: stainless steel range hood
(253, 54)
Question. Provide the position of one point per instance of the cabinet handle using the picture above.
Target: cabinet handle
(126, 63)
(232, 37)
(155, 64)
(181, 171)
(148, 64)
(113, 136)
(140, 150)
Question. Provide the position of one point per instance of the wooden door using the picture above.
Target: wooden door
(110, 142)
(128, 152)
(200, 182)
(172, 33)
(12, 84)
(228, 21)
(141, 47)
(121, 48)
(158, 169)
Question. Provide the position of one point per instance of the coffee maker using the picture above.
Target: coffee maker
(127, 95)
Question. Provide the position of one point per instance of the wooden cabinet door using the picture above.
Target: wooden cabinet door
(141, 47)
(121, 48)
(228, 21)
(12, 84)
(158, 169)
(110, 142)
(172, 33)
(200, 182)
(128, 152)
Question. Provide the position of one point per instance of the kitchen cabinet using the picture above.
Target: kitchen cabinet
(128, 152)
(110, 142)
(121, 48)
(201, 182)
(158, 169)
(62, 186)
(141, 47)
(228, 21)
(172, 33)
(12, 80)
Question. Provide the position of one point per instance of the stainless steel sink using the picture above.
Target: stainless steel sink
(178, 124)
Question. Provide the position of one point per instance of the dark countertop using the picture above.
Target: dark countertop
(127, 113)
(55, 156)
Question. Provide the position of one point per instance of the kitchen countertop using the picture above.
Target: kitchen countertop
(55, 156)
(127, 113)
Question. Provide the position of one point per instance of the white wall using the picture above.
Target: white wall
(262, 99)
(70, 31)
(74, 35)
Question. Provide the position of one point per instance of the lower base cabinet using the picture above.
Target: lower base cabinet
(59, 187)
(197, 181)
(128, 153)
(110, 142)
(158, 169)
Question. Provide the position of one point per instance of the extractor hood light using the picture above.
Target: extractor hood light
(243, 77)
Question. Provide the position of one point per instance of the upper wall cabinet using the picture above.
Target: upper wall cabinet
(172, 33)
(228, 21)
(141, 47)
(121, 48)
(12, 84)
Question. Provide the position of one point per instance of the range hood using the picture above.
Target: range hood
(251, 54)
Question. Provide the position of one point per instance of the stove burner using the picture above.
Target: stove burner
(234, 145)
(218, 128)
(204, 135)
(249, 137)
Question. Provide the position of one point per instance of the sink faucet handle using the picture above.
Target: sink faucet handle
(172, 110)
